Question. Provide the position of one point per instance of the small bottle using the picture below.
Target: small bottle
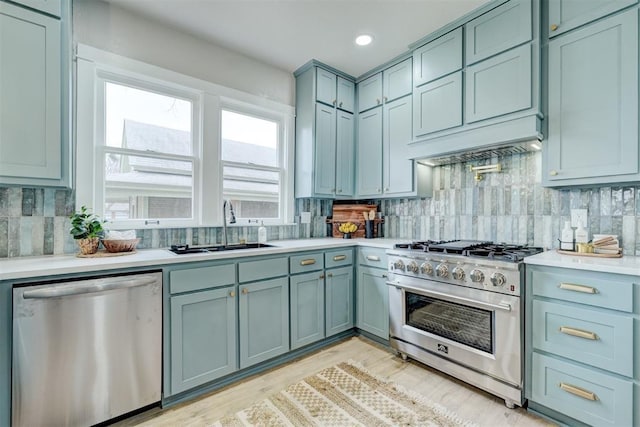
(262, 233)
(582, 235)
(566, 239)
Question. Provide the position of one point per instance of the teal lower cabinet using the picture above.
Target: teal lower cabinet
(203, 337)
(582, 345)
(263, 320)
(339, 300)
(307, 308)
(373, 296)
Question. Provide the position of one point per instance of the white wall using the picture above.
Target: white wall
(104, 26)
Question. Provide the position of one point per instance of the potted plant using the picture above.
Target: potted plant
(86, 229)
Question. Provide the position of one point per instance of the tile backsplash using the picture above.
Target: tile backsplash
(510, 206)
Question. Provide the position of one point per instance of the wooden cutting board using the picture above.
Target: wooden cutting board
(350, 213)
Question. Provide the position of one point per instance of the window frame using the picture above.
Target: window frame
(208, 99)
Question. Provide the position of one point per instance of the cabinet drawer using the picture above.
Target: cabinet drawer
(195, 279)
(249, 271)
(438, 58)
(373, 257)
(500, 29)
(307, 262)
(338, 258)
(588, 396)
(585, 287)
(597, 338)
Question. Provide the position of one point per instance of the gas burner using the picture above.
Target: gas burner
(502, 251)
(419, 245)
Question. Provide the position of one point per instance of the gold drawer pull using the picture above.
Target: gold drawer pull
(580, 392)
(578, 333)
(339, 257)
(232, 294)
(578, 288)
(373, 258)
(554, 27)
(245, 291)
(307, 262)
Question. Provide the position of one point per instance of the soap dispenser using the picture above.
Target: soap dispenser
(566, 239)
(582, 235)
(262, 233)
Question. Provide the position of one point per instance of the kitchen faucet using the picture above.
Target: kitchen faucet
(224, 220)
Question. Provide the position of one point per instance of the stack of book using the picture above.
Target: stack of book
(606, 244)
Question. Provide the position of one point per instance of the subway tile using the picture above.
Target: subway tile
(28, 201)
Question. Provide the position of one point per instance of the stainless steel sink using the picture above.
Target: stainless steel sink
(186, 249)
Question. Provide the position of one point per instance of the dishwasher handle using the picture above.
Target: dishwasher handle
(100, 285)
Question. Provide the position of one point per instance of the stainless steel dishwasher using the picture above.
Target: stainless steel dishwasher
(86, 351)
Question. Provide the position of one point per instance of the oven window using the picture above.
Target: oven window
(467, 325)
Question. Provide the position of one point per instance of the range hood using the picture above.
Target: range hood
(515, 136)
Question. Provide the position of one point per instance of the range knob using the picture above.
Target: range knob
(442, 271)
(426, 268)
(477, 275)
(412, 267)
(498, 279)
(398, 265)
(458, 273)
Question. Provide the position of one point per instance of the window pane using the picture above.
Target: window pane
(144, 120)
(139, 187)
(247, 139)
(255, 209)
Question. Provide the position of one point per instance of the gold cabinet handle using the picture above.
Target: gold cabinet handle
(553, 173)
(377, 190)
(322, 276)
(385, 99)
(330, 275)
(384, 276)
(378, 101)
(308, 261)
(578, 288)
(577, 391)
(232, 294)
(339, 257)
(578, 333)
(340, 104)
(334, 102)
(373, 258)
(554, 27)
(386, 189)
(245, 291)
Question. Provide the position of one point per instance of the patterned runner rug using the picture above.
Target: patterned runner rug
(344, 395)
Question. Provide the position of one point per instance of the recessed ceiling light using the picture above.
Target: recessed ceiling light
(363, 39)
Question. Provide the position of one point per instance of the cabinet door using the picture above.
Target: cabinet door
(325, 87)
(370, 153)
(396, 80)
(345, 154)
(499, 29)
(438, 105)
(264, 320)
(325, 151)
(396, 127)
(370, 92)
(30, 101)
(438, 58)
(565, 15)
(373, 301)
(203, 337)
(593, 104)
(346, 95)
(52, 7)
(307, 308)
(499, 85)
(339, 300)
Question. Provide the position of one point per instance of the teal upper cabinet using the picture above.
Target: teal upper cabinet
(499, 85)
(51, 7)
(369, 156)
(437, 105)
(397, 172)
(325, 133)
(498, 30)
(438, 58)
(565, 15)
(593, 104)
(34, 143)
(370, 92)
(396, 81)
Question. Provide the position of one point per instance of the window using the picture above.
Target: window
(252, 165)
(160, 149)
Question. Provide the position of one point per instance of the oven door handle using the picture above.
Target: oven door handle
(462, 300)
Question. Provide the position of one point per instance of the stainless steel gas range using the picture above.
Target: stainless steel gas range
(455, 306)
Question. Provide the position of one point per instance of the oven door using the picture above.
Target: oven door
(477, 329)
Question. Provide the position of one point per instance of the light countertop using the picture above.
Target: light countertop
(54, 265)
(624, 265)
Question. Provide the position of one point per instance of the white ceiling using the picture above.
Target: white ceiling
(288, 33)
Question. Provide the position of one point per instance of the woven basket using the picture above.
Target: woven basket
(118, 245)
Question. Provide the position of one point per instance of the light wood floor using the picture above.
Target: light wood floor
(467, 402)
